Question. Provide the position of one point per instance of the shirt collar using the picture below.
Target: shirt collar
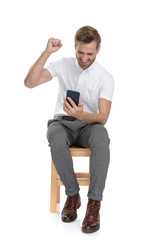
(89, 69)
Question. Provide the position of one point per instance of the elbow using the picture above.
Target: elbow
(101, 121)
(104, 120)
(27, 84)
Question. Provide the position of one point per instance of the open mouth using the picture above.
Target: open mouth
(84, 62)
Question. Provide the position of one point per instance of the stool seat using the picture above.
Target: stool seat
(83, 178)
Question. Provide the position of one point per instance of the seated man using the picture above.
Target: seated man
(81, 125)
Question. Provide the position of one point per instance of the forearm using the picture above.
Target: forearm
(77, 111)
(34, 73)
(93, 118)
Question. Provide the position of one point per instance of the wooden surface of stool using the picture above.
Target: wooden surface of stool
(83, 178)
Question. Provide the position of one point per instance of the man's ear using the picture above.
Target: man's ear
(98, 49)
(75, 45)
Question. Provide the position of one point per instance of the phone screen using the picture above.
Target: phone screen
(74, 95)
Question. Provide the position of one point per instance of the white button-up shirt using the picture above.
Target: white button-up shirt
(92, 83)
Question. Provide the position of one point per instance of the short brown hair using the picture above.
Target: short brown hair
(87, 34)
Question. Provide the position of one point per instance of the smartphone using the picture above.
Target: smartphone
(74, 95)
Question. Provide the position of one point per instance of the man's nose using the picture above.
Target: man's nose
(85, 57)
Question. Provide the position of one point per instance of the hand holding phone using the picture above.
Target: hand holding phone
(74, 95)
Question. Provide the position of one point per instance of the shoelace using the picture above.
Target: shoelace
(69, 201)
(92, 208)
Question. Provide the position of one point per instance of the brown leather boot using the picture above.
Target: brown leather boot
(69, 212)
(91, 221)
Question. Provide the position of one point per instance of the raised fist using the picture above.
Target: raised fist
(53, 45)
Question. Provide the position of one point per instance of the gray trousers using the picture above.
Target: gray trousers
(63, 134)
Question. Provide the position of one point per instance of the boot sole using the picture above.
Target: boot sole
(90, 230)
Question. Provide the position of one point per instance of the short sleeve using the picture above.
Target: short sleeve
(54, 67)
(107, 88)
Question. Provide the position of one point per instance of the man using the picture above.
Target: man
(81, 125)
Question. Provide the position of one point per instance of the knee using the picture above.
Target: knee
(51, 134)
(99, 136)
(55, 135)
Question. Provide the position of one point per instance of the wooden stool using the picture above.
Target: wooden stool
(82, 178)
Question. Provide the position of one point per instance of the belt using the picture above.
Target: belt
(68, 118)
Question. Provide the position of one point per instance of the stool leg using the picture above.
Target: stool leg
(58, 194)
(53, 198)
(89, 166)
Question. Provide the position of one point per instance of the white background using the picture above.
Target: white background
(131, 53)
